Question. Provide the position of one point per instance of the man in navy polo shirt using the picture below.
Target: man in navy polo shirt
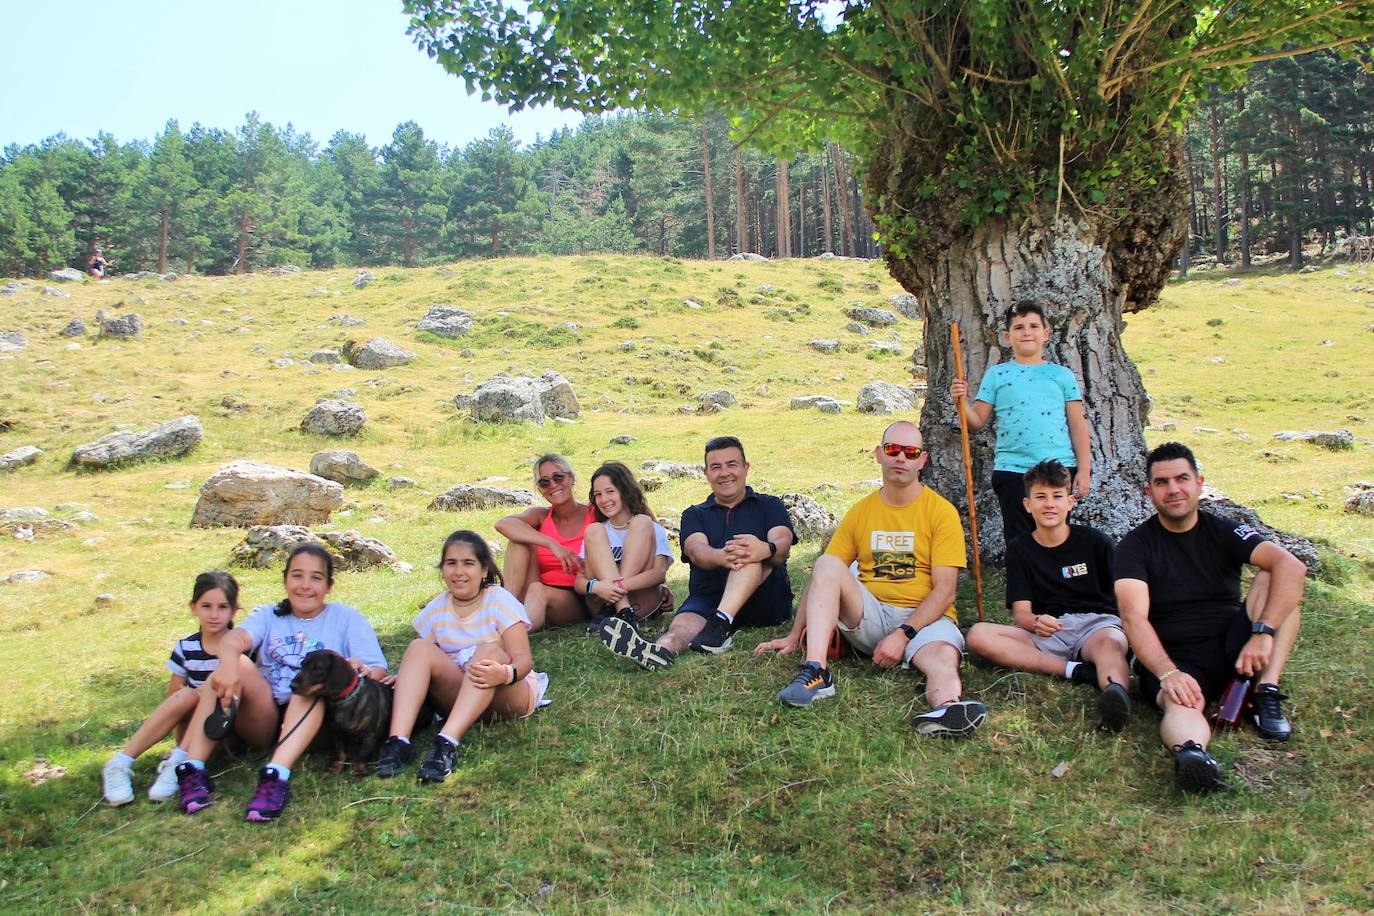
(736, 543)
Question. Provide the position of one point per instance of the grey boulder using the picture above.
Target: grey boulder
(377, 353)
(166, 440)
(246, 493)
(885, 397)
(333, 417)
(342, 467)
(467, 497)
(445, 321)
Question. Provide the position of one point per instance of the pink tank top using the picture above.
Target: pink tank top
(550, 570)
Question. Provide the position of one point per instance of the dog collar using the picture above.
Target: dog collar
(347, 691)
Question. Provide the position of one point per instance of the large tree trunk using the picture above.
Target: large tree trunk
(1085, 273)
(163, 228)
(783, 218)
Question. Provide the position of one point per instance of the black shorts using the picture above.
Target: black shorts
(767, 607)
(1212, 664)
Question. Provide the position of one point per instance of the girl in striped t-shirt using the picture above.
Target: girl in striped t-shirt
(214, 600)
(472, 658)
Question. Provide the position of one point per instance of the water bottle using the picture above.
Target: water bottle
(1231, 706)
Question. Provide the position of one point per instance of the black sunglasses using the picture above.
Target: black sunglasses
(555, 477)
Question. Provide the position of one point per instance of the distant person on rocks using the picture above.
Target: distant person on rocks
(1039, 411)
(1178, 583)
(909, 545)
(626, 557)
(1061, 592)
(543, 561)
(736, 543)
(214, 602)
(255, 700)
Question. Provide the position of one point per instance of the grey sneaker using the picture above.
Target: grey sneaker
(164, 788)
(812, 683)
(953, 720)
(117, 784)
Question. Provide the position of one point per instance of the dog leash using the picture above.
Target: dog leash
(299, 723)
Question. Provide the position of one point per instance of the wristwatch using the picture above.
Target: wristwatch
(1259, 628)
(908, 630)
(772, 549)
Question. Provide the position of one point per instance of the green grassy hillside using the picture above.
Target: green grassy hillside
(689, 789)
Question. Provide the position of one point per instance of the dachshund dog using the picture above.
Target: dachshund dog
(357, 708)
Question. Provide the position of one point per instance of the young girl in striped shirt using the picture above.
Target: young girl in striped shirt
(214, 600)
(472, 658)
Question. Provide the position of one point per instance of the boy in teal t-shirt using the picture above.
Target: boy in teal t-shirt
(1039, 411)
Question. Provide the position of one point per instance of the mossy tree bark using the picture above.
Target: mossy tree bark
(1087, 272)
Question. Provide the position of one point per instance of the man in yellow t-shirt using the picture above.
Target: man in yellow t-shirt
(909, 545)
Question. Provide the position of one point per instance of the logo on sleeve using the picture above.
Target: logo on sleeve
(1074, 571)
(1246, 532)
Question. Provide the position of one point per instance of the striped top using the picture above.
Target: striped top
(459, 636)
(191, 661)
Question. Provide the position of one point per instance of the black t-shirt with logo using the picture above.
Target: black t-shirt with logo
(1194, 576)
(1073, 578)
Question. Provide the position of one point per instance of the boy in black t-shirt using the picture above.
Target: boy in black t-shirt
(1059, 589)
(1178, 585)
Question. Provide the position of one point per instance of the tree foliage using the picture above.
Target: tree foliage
(1008, 103)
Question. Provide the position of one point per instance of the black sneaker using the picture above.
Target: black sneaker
(1113, 707)
(396, 755)
(1266, 713)
(623, 638)
(1195, 770)
(600, 620)
(439, 764)
(1084, 673)
(714, 637)
(953, 720)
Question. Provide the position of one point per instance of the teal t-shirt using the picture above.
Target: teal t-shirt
(1032, 425)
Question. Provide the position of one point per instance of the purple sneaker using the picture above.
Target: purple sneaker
(270, 799)
(195, 788)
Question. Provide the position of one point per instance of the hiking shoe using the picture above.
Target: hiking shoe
(812, 683)
(439, 764)
(1113, 707)
(623, 638)
(953, 720)
(195, 788)
(1195, 770)
(714, 637)
(165, 786)
(1267, 714)
(396, 755)
(270, 797)
(1084, 673)
(117, 784)
(599, 621)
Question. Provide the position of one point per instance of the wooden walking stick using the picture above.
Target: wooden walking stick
(968, 469)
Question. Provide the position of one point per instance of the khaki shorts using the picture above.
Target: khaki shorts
(880, 619)
(1067, 642)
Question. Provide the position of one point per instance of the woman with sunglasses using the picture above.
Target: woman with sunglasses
(543, 561)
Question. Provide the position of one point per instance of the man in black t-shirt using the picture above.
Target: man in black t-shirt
(1060, 591)
(1178, 587)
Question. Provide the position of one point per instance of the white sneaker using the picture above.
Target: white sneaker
(117, 783)
(164, 788)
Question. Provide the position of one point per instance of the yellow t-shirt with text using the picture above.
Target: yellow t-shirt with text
(897, 546)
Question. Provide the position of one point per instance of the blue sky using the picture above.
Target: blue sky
(126, 66)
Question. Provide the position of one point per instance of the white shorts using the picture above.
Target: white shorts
(881, 619)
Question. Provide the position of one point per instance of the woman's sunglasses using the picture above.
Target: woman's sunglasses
(555, 477)
(892, 450)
